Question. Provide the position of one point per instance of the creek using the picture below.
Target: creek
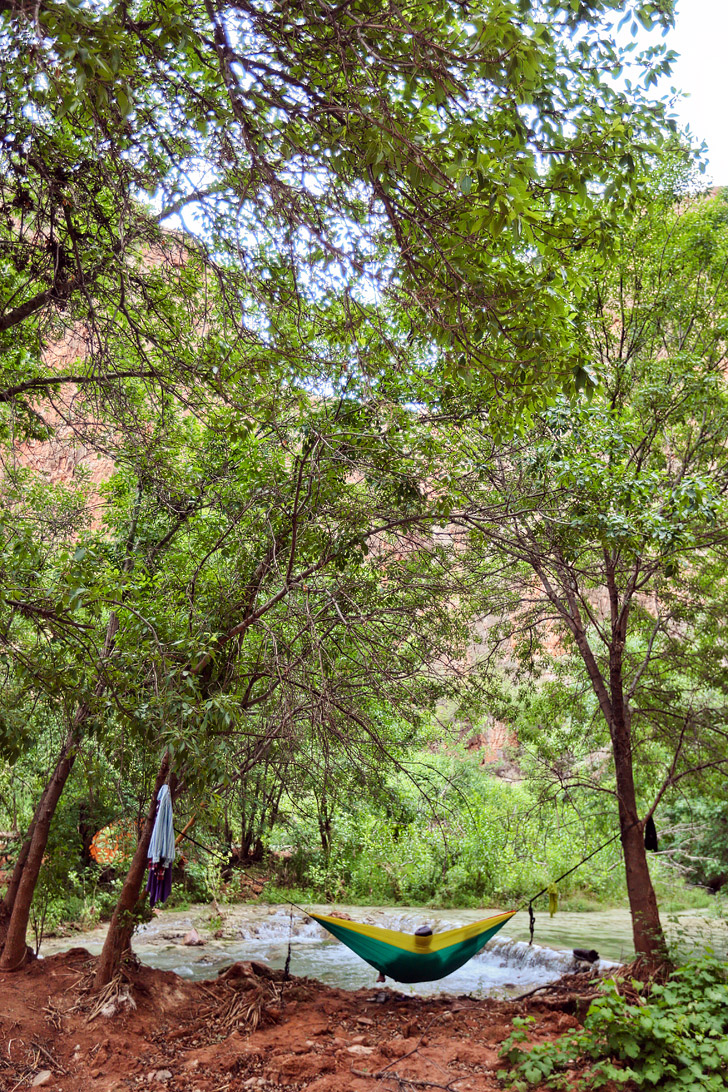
(506, 967)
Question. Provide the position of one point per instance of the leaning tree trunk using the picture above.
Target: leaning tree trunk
(649, 939)
(15, 908)
(8, 902)
(27, 869)
(121, 926)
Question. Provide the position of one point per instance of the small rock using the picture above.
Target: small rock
(193, 939)
(163, 1075)
(41, 1078)
(585, 955)
(359, 1049)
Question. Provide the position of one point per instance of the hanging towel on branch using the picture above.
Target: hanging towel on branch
(161, 850)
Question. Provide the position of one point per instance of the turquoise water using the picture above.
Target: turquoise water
(508, 966)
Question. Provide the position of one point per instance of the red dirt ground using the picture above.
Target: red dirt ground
(249, 1028)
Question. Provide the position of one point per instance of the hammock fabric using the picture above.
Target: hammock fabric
(408, 958)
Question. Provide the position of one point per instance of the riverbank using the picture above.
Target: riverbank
(251, 1028)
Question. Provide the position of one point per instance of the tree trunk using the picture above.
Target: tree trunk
(324, 825)
(121, 926)
(649, 940)
(16, 905)
(6, 906)
(15, 908)
(15, 950)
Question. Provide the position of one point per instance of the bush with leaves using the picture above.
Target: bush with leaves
(674, 1037)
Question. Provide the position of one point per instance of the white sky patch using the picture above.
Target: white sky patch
(701, 38)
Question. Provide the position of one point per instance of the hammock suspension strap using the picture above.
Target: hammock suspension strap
(531, 901)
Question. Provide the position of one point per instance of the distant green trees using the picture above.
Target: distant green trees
(443, 830)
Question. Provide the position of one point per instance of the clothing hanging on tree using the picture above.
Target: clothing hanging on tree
(161, 850)
(651, 835)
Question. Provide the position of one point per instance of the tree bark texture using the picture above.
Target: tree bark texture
(6, 906)
(27, 869)
(8, 902)
(649, 940)
(121, 926)
(15, 909)
(15, 950)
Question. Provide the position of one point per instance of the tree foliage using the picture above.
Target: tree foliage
(362, 179)
(299, 273)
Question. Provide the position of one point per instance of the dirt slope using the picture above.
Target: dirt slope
(247, 1029)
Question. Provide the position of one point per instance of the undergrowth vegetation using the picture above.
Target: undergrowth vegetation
(468, 839)
(672, 1037)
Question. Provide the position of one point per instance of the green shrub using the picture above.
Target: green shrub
(674, 1038)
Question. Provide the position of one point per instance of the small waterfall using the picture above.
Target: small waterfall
(517, 953)
(504, 963)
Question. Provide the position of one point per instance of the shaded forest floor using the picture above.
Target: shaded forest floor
(250, 1028)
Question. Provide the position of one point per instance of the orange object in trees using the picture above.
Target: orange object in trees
(114, 843)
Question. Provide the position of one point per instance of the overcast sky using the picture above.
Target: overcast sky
(701, 39)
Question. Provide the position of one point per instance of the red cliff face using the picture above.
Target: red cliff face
(65, 458)
(493, 742)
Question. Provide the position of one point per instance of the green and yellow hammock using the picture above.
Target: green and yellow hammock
(408, 958)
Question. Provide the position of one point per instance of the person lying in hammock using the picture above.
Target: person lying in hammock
(423, 931)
